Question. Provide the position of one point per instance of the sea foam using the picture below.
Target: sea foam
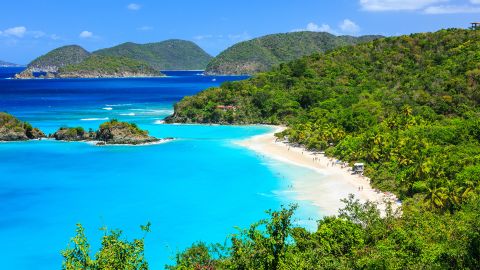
(94, 119)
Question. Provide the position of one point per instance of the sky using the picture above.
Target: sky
(30, 28)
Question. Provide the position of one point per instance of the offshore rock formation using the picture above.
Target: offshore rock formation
(12, 129)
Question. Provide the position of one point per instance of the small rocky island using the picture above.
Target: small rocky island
(112, 132)
(12, 129)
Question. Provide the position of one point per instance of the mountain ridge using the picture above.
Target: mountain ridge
(172, 54)
(263, 53)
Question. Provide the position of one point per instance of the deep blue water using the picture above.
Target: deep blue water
(196, 188)
(10, 72)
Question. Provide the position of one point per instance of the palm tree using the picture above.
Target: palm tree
(436, 197)
(453, 194)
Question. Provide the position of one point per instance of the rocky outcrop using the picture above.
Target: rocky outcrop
(96, 75)
(12, 129)
(73, 134)
(112, 132)
(115, 132)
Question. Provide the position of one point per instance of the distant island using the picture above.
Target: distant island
(263, 53)
(173, 54)
(146, 60)
(50, 63)
(125, 60)
(7, 64)
(99, 66)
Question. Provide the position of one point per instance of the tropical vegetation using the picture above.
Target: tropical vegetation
(360, 237)
(171, 54)
(408, 107)
(57, 58)
(108, 66)
(115, 252)
(263, 53)
(12, 129)
(405, 106)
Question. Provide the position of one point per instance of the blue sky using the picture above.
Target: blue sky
(30, 28)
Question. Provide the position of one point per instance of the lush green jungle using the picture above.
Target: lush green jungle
(405, 106)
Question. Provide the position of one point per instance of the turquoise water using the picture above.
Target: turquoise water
(196, 188)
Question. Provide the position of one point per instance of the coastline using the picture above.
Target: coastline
(331, 182)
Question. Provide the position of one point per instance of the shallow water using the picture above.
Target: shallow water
(195, 188)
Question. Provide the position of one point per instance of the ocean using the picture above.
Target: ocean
(198, 187)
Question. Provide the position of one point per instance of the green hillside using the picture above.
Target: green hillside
(261, 54)
(408, 107)
(396, 103)
(57, 58)
(167, 55)
(108, 66)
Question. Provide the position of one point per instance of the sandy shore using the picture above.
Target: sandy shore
(330, 183)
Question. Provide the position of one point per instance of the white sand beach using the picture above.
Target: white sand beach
(334, 182)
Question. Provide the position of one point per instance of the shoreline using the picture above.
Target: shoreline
(330, 183)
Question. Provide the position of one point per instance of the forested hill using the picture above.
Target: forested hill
(100, 66)
(57, 58)
(406, 106)
(261, 54)
(171, 54)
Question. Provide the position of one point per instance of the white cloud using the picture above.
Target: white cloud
(14, 34)
(313, 27)
(349, 26)
(475, 1)
(346, 27)
(202, 37)
(393, 5)
(37, 34)
(54, 37)
(318, 28)
(18, 31)
(239, 37)
(451, 9)
(86, 34)
(134, 6)
(145, 28)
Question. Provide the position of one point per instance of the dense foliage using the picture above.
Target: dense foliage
(261, 54)
(407, 106)
(166, 55)
(358, 238)
(12, 129)
(115, 252)
(100, 66)
(131, 128)
(63, 56)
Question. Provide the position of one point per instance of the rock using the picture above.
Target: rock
(112, 132)
(24, 75)
(115, 132)
(73, 134)
(12, 129)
